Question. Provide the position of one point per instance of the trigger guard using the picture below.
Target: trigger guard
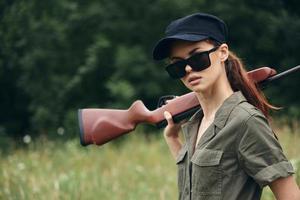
(162, 100)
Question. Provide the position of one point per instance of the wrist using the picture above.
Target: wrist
(171, 137)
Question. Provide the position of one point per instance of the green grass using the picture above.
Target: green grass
(136, 168)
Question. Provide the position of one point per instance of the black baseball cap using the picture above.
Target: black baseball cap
(195, 27)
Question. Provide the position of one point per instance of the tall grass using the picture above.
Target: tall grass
(138, 168)
(135, 168)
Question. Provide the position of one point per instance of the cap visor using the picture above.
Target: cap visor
(162, 48)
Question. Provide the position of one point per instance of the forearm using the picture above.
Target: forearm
(174, 144)
(285, 189)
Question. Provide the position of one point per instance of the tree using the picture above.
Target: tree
(61, 55)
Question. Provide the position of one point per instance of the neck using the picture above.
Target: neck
(211, 99)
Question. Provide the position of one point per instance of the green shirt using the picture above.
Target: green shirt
(236, 156)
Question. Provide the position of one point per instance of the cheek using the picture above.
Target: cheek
(215, 68)
(216, 72)
(212, 74)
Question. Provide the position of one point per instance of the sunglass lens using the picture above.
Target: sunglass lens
(199, 61)
(176, 70)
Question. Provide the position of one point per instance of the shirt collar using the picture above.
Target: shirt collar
(223, 112)
(190, 128)
(226, 108)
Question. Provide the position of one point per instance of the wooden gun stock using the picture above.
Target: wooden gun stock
(98, 126)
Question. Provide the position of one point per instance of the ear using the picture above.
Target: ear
(224, 52)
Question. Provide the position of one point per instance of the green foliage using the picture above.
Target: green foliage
(58, 56)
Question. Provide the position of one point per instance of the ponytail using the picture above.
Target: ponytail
(239, 81)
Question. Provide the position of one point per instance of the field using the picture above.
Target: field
(136, 167)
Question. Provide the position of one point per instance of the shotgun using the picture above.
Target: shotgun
(99, 126)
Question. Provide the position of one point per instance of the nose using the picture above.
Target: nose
(188, 68)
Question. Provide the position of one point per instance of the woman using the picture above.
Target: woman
(230, 151)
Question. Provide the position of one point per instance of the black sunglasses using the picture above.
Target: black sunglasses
(198, 61)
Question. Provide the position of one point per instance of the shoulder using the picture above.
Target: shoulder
(251, 122)
(254, 128)
(246, 113)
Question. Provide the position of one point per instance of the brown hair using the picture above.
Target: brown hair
(239, 80)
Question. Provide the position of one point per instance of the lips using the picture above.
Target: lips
(192, 78)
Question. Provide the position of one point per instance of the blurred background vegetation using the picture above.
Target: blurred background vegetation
(60, 55)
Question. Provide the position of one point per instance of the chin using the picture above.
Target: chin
(198, 88)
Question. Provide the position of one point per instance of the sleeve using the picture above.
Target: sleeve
(260, 153)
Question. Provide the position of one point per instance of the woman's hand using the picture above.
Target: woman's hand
(171, 134)
(172, 129)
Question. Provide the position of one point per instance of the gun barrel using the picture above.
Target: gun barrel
(279, 76)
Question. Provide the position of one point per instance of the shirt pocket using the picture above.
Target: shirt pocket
(181, 164)
(207, 173)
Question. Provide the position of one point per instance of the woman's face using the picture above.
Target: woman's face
(202, 80)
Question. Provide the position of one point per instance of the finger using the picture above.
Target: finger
(168, 117)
